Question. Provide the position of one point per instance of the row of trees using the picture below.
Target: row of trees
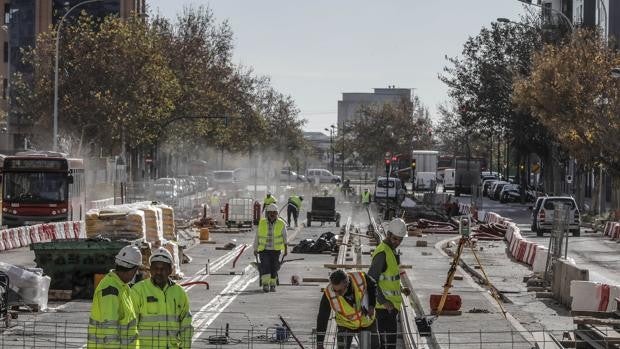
(157, 84)
(529, 92)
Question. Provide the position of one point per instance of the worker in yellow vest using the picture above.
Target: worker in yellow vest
(113, 317)
(385, 267)
(269, 243)
(269, 199)
(352, 297)
(366, 197)
(164, 317)
(293, 208)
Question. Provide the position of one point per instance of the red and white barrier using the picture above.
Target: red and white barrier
(24, 236)
(593, 296)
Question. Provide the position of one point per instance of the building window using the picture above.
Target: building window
(7, 13)
(5, 85)
(6, 52)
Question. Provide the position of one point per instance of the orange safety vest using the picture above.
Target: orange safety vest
(349, 316)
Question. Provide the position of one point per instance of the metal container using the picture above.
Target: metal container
(72, 264)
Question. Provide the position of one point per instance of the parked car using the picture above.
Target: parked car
(166, 189)
(292, 176)
(543, 216)
(224, 178)
(448, 179)
(486, 186)
(512, 193)
(324, 176)
(496, 189)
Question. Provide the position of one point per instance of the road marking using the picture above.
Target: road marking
(218, 264)
(210, 311)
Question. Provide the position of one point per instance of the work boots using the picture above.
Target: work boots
(266, 288)
(272, 288)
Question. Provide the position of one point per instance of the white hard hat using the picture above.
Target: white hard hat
(161, 255)
(129, 257)
(398, 227)
(271, 208)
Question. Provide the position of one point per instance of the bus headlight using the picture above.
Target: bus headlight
(63, 210)
(14, 212)
(53, 213)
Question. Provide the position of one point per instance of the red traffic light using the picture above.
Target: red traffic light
(394, 158)
(387, 161)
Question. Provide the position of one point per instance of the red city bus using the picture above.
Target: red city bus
(40, 187)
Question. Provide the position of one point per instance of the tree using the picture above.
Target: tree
(115, 85)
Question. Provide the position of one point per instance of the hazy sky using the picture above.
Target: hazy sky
(314, 50)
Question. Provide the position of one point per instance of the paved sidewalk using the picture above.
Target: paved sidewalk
(472, 329)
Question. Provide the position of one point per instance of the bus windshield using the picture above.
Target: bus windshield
(35, 187)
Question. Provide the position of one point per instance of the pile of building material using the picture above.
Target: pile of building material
(168, 221)
(116, 222)
(437, 227)
(490, 231)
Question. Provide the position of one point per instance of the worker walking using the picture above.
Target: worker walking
(269, 199)
(366, 197)
(352, 297)
(385, 268)
(293, 208)
(269, 242)
(113, 316)
(164, 317)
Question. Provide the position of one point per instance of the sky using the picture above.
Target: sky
(314, 50)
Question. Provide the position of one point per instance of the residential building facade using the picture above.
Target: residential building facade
(22, 21)
(352, 102)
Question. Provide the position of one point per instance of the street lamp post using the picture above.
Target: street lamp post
(55, 140)
(331, 146)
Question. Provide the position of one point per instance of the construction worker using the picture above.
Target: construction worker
(269, 199)
(293, 208)
(164, 318)
(352, 297)
(269, 242)
(366, 197)
(385, 269)
(113, 316)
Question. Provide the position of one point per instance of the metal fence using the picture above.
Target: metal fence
(66, 334)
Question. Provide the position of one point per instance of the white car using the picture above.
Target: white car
(545, 210)
(323, 176)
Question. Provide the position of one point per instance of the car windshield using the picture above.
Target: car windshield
(550, 204)
(383, 184)
(35, 187)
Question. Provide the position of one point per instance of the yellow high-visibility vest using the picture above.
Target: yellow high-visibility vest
(113, 320)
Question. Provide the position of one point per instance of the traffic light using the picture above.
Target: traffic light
(387, 167)
(413, 164)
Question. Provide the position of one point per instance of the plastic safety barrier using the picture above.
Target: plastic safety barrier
(12, 238)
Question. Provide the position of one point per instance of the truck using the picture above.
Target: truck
(425, 168)
(466, 175)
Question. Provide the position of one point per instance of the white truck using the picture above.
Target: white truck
(425, 169)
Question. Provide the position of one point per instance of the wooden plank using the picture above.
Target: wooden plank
(315, 280)
(589, 320)
(353, 266)
(596, 314)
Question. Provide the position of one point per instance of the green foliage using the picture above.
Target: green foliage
(154, 83)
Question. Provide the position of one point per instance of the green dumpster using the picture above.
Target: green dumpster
(72, 264)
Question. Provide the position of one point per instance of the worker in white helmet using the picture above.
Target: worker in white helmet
(164, 318)
(113, 315)
(269, 243)
(385, 268)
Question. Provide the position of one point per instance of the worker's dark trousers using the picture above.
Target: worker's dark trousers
(269, 265)
(388, 328)
(345, 336)
(292, 209)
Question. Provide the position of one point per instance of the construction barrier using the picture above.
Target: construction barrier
(593, 296)
(23, 236)
(612, 229)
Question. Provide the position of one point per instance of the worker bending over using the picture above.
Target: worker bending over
(293, 208)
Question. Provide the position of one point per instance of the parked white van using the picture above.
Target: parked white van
(449, 181)
(392, 188)
(324, 176)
